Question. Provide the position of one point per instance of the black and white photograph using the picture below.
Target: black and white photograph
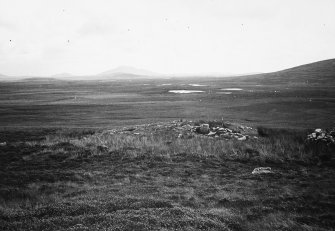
(178, 115)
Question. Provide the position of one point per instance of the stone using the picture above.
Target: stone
(262, 170)
(187, 127)
(79, 227)
(211, 133)
(102, 148)
(318, 130)
(204, 128)
(225, 135)
(242, 138)
(3, 144)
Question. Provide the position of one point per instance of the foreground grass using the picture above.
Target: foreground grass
(148, 179)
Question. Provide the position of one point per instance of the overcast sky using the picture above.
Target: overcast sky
(168, 36)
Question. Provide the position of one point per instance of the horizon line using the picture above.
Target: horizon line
(154, 74)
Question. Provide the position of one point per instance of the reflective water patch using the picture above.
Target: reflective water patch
(184, 91)
(232, 89)
(197, 85)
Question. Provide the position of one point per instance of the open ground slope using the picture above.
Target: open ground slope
(163, 177)
(320, 73)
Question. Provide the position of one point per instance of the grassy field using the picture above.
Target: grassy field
(145, 178)
(67, 163)
(116, 103)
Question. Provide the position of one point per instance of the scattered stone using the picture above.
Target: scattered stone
(262, 170)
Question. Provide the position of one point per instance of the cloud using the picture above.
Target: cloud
(95, 28)
(87, 36)
(5, 25)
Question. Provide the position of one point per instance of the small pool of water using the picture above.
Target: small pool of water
(184, 91)
(197, 85)
(232, 89)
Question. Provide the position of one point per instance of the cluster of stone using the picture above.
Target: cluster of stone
(262, 170)
(320, 135)
(220, 132)
(189, 129)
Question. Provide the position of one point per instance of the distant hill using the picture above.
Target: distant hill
(39, 79)
(62, 75)
(2, 77)
(6, 78)
(322, 72)
(127, 71)
(317, 72)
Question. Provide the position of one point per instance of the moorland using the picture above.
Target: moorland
(105, 154)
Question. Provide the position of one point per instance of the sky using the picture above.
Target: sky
(85, 37)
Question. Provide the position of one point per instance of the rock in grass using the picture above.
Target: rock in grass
(78, 227)
(242, 138)
(262, 170)
(187, 127)
(322, 136)
(211, 133)
(318, 130)
(225, 135)
(204, 128)
(102, 148)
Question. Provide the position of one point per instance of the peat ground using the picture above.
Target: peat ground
(152, 180)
